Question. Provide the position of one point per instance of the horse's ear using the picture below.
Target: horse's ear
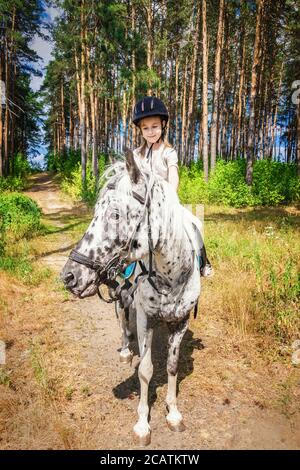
(131, 166)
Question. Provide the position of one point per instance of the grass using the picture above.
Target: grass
(256, 256)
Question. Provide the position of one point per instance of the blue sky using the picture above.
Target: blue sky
(43, 49)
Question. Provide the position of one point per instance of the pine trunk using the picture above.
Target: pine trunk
(2, 98)
(298, 139)
(191, 105)
(205, 92)
(213, 144)
(183, 114)
(253, 94)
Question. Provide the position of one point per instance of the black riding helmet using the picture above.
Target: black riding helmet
(150, 106)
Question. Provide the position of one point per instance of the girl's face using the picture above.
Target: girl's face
(151, 129)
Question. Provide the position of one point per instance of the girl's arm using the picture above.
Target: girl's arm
(173, 177)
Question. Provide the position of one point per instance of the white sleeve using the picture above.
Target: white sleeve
(172, 158)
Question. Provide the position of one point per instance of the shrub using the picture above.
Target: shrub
(71, 178)
(19, 217)
(273, 183)
(21, 166)
(12, 183)
(227, 185)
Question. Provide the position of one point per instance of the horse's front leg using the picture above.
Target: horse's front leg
(125, 354)
(142, 429)
(176, 333)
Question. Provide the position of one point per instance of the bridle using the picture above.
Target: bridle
(116, 265)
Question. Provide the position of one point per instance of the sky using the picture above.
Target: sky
(43, 48)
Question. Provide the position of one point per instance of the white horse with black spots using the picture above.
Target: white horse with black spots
(138, 217)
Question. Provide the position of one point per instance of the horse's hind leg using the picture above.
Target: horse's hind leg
(176, 333)
(142, 429)
(125, 354)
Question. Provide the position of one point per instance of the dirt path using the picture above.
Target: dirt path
(227, 399)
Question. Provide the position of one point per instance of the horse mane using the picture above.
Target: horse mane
(116, 174)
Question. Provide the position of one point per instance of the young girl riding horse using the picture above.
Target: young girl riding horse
(151, 117)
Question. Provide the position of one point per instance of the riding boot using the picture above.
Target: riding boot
(206, 269)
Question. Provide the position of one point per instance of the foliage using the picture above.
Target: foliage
(19, 218)
(21, 166)
(273, 183)
(69, 168)
(12, 183)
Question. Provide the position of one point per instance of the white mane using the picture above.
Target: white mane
(172, 210)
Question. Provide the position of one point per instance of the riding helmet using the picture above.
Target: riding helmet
(149, 106)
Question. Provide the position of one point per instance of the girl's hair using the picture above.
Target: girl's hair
(144, 144)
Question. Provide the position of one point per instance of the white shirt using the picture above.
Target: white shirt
(162, 159)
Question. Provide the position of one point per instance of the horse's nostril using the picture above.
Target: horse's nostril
(70, 280)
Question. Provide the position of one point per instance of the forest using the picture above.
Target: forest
(227, 71)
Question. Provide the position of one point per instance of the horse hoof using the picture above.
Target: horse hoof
(142, 441)
(179, 427)
(126, 359)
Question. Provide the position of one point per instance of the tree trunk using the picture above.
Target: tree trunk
(298, 139)
(253, 93)
(63, 124)
(213, 135)
(183, 114)
(2, 91)
(240, 97)
(275, 113)
(149, 39)
(93, 121)
(82, 105)
(191, 105)
(205, 92)
(177, 99)
(6, 115)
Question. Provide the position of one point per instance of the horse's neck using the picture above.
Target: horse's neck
(173, 258)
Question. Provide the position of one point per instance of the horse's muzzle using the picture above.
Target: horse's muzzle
(69, 280)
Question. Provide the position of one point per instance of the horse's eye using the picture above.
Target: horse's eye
(114, 216)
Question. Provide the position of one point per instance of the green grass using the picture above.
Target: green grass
(256, 256)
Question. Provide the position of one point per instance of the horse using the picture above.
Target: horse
(138, 217)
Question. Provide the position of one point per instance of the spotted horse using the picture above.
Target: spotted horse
(138, 217)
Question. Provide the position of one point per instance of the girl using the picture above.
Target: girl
(151, 117)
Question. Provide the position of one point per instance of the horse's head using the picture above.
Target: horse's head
(118, 233)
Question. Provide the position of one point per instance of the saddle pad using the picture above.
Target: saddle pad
(129, 270)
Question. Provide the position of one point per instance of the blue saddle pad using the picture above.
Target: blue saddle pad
(129, 270)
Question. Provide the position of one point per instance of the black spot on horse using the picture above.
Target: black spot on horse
(136, 244)
(151, 299)
(89, 237)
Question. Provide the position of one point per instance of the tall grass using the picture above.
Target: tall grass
(257, 282)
